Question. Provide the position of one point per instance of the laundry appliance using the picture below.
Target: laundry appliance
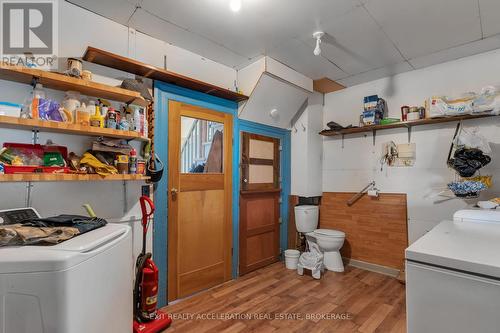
(453, 275)
(81, 285)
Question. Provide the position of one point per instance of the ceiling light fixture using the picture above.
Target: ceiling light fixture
(318, 35)
(235, 5)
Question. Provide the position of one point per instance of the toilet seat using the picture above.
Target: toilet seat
(329, 233)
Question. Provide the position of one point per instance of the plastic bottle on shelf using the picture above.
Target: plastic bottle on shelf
(132, 168)
(82, 115)
(111, 119)
(38, 93)
(71, 102)
(137, 119)
(97, 119)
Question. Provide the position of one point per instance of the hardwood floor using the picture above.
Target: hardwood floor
(274, 299)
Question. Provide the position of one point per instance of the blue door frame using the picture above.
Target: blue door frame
(164, 93)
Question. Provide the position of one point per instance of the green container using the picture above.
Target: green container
(53, 159)
(387, 121)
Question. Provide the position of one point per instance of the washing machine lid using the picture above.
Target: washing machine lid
(24, 259)
(307, 207)
(329, 232)
(463, 245)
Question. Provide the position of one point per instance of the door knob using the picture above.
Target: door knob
(173, 190)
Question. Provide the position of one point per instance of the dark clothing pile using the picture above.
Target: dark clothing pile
(47, 231)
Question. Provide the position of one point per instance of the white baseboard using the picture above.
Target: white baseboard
(372, 267)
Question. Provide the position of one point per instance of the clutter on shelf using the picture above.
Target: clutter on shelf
(487, 101)
(376, 114)
(106, 157)
(375, 109)
(79, 110)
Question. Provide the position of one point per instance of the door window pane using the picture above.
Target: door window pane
(202, 148)
(261, 149)
(260, 174)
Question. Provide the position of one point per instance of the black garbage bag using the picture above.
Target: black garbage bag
(466, 161)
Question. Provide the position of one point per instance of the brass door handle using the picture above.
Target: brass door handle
(173, 190)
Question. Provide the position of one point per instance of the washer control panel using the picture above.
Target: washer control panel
(13, 216)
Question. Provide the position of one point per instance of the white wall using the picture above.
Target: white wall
(78, 29)
(306, 159)
(354, 166)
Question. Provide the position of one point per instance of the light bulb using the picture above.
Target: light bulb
(318, 35)
(235, 5)
(317, 49)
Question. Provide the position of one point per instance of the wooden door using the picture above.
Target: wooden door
(259, 202)
(199, 211)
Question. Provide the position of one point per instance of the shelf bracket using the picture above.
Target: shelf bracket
(125, 205)
(374, 136)
(29, 186)
(34, 136)
(34, 81)
(343, 140)
(409, 134)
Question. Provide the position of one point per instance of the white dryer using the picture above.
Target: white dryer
(81, 285)
(453, 276)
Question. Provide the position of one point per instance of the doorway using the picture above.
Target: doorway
(259, 232)
(199, 200)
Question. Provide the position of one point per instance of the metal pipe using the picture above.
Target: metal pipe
(358, 195)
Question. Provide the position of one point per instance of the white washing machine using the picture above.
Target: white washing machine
(83, 285)
(453, 276)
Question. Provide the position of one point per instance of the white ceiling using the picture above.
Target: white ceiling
(366, 39)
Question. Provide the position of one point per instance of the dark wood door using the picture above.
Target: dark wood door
(259, 202)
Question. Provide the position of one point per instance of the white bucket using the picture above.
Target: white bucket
(291, 258)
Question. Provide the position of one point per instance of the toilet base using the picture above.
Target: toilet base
(333, 261)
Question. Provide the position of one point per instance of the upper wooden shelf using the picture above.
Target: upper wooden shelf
(61, 127)
(63, 82)
(112, 60)
(403, 124)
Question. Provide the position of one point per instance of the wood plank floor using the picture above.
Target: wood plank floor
(274, 299)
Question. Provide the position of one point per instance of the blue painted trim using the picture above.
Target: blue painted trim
(285, 166)
(164, 93)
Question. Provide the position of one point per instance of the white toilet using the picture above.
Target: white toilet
(329, 241)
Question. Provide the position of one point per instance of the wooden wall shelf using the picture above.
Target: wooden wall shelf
(406, 124)
(60, 127)
(57, 177)
(129, 65)
(62, 82)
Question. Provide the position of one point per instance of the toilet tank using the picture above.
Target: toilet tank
(306, 218)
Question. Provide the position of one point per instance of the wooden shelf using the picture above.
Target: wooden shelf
(62, 82)
(60, 127)
(112, 60)
(406, 124)
(57, 177)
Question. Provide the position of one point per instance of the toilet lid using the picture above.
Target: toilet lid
(329, 232)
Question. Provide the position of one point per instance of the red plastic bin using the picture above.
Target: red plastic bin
(38, 150)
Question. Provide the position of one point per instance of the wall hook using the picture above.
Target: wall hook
(303, 127)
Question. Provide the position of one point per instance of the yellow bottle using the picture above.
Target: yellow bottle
(97, 120)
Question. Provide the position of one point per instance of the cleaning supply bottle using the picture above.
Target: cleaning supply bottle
(97, 120)
(38, 93)
(132, 168)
